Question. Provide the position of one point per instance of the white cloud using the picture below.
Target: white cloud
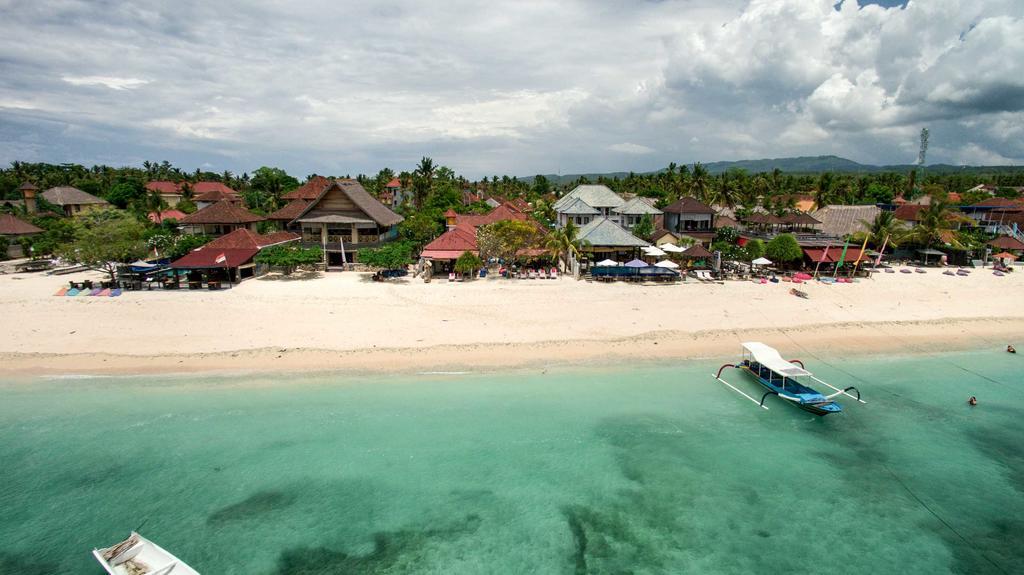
(106, 81)
(508, 87)
(631, 148)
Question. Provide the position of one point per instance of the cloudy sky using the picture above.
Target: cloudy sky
(519, 88)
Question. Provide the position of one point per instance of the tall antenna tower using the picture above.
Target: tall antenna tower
(924, 148)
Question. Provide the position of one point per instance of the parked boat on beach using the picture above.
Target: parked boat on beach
(780, 377)
(137, 555)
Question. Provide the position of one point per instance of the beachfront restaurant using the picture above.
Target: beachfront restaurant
(603, 239)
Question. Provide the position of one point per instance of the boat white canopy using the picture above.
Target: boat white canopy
(769, 357)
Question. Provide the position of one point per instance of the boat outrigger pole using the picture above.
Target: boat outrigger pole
(718, 376)
(840, 391)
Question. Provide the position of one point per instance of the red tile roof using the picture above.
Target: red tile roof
(289, 211)
(1007, 243)
(451, 244)
(832, 255)
(248, 239)
(204, 187)
(224, 212)
(909, 212)
(12, 226)
(311, 190)
(157, 217)
(394, 183)
(502, 212)
(164, 188)
(217, 196)
(999, 203)
(205, 258)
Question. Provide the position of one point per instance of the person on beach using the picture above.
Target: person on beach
(1010, 349)
(973, 400)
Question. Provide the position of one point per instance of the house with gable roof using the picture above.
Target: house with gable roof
(338, 215)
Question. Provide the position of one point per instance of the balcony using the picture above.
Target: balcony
(335, 245)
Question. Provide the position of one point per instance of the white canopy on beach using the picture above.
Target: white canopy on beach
(667, 264)
(605, 263)
(672, 248)
(653, 251)
(762, 262)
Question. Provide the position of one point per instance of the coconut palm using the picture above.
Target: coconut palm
(699, 182)
(885, 225)
(565, 242)
(933, 220)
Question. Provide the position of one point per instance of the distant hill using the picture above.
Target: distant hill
(800, 165)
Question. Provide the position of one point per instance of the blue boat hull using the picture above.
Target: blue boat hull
(810, 400)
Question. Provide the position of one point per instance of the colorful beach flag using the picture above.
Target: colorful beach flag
(221, 259)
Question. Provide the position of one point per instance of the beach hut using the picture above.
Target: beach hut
(14, 229)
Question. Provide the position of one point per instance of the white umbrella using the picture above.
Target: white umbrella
(762, 262)
(672, 248)
(604, 263)
(667, 264)
(653, 251)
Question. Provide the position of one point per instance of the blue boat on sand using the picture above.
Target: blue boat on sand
(782, 378)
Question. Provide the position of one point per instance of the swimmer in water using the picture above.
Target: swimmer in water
(973, 400)
(1011, 349)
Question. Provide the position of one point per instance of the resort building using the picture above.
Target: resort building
(219, 219)
(338, 215)
(159, 217)
(690, 217)
(843, 221)
(587, 202)
(461, 234)
(391, 194)
(229, 258)
(604, 238)
(14, 229)
(172, 192)
(72, 200)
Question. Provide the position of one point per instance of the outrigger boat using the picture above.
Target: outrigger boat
(140, 556)
(779, 377)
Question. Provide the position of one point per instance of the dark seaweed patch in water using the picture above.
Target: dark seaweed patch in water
(253, 506)
(11, 564)
(406, 548)
(579, 538)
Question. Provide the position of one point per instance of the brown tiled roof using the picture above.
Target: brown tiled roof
(224, 212)
(1007, 243)
(217, 196)
(688, 205)
(68, 196)
(204, 187)
(27, 186)
(696, 251)
(394, 183)
(311, 190)
(289, 211)
(247, 239)
(452, 244)
(798, 218)
(999, 203)
(12, 226)
(368, 204)
(658, 234)
(908, 212)
(164, 187)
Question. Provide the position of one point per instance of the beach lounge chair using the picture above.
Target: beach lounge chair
(533, 274)
(920, 270)
(543, 274)
(554, 273)
(451, 276)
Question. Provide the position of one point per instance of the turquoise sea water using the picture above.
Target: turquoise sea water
(652, 470)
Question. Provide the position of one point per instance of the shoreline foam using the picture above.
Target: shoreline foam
(863, 338)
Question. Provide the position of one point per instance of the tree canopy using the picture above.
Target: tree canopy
(505, 239)
(395, 255)
(103, 239)
(468, 263)
(784, 249)
(289, 256)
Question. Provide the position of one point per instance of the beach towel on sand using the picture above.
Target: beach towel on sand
(71, 292)
(61, 291)
(115, 292)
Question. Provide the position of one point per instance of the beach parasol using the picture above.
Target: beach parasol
(1005, 256)
(606, 263)
(762, 262)
(672, 248)
(667, 264)
(636, 264)
(653, 251)
(142, 264)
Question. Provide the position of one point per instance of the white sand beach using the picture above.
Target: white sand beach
(345, 321)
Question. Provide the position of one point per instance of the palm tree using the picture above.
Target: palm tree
(699, 182)
(884, 226)
(932, 221)
(565, 241)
